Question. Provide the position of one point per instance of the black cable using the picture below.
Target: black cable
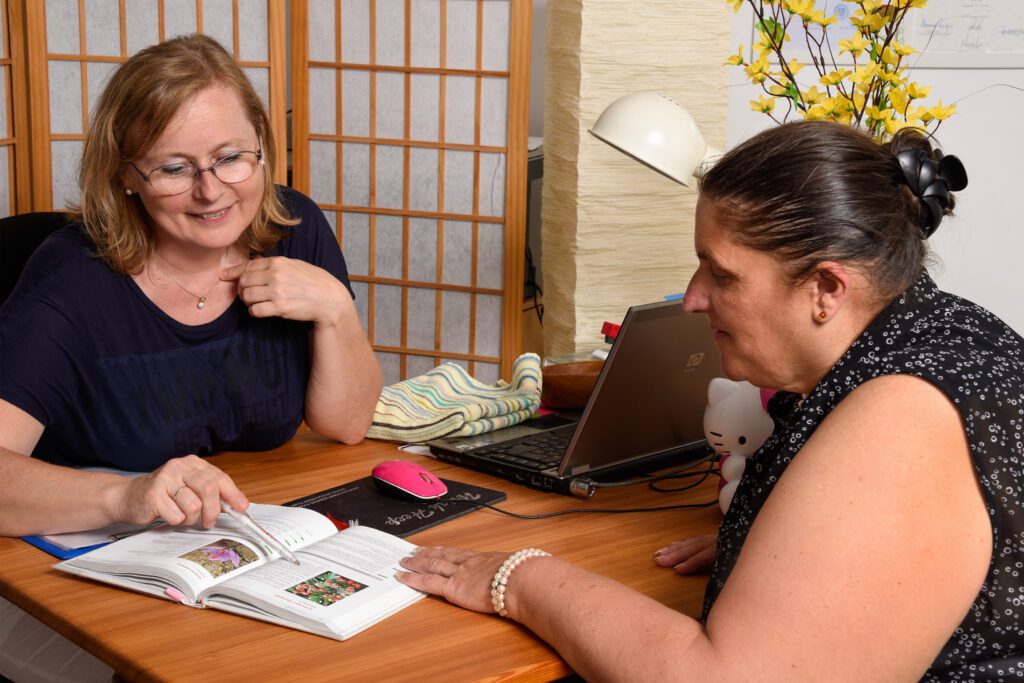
(651, 481)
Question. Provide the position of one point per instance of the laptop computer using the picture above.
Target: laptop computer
(646, 411)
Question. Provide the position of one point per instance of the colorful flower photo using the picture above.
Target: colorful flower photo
(221, 557)
(327, 588)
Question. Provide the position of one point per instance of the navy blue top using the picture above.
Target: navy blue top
(117, 382)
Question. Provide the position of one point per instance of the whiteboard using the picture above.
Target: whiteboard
(948, 34)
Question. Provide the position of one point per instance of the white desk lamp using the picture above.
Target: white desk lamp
(659, 133)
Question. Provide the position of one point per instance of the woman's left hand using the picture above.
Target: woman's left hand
(288, 288)
(463, 577)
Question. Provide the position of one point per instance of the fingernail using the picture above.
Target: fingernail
(659, 551)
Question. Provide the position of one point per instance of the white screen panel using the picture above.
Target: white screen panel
(355, 103)
(492, 184)
(496, 35)
(361, 290)
(64, 155)
(422, 318)
(423, 249)
(387, 315)
(455, 322)
(321, 31)
(355, 31)
(488, 325)
(179, 18)
(98, 73)
(493, 111)
(458, 182)
(323, 117)
(425, 49)
(388, 247)
(65, 97)
(389, 177)
(141, 21)
(461, 34)
(323, 166)
(423, 179)
(253, 35)
(218, 22)
(424, 107)
(418, 365)
(5, 181)
(102, 28)
(458, 252)
(62, 27)
(490, 258)
(5, 80)
(486, 373)
(390, 105)
(355, 242)
(391, 32)
(355, 174)
(391, 367)
(459, 109)
(260, 78)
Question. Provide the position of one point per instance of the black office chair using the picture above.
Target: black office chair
(20, 236)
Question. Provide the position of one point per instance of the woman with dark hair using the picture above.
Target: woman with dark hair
(876, 535)
(194, 307)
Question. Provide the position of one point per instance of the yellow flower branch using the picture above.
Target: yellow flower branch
(875, 94)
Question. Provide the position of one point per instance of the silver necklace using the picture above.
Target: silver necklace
(200, 299)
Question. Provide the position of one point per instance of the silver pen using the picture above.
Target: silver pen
(262, 534)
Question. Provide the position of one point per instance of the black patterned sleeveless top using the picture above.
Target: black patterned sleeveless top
(976, 360)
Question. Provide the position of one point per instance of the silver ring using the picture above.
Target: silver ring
(180, 489)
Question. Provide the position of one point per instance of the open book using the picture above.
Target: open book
(344, 584)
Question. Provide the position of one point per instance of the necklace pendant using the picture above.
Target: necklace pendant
(201, 304)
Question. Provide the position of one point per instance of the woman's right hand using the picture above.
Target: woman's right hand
(690, 555)
(183, 491)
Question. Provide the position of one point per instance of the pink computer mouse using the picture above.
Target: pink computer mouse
(408, 480)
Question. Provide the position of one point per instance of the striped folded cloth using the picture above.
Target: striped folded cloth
(446, 401)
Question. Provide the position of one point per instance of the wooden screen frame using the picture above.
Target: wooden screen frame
(515, 151)
(36, 169)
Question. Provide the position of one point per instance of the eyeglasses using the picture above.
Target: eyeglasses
(175, 179)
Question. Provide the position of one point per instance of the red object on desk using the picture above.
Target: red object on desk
(610, 331)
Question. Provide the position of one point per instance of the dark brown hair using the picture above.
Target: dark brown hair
(141, 98)
(812, 191)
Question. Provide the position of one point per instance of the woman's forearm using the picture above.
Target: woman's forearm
(39, 498)
(344, 379)
(604, 630)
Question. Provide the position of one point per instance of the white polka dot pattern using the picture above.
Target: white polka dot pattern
(978, 362)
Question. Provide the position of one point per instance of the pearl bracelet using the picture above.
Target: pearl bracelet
(500, 581)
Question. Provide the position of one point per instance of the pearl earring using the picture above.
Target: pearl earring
(822, 315)
(128, 191)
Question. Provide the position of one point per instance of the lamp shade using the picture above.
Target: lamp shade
(658, 132)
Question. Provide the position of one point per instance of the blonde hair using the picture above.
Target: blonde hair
(143, 95)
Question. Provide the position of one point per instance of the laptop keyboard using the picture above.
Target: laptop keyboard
(536, 452)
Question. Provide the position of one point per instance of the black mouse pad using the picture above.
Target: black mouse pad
(361, 500)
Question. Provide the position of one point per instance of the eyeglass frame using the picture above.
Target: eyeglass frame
(197, 172)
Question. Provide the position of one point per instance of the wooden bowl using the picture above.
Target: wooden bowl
(568, 385)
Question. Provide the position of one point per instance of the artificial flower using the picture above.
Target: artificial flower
(940, 113)
(917, 91)
(764, 104)
(854, 45)
(736, 59)
(835, 77)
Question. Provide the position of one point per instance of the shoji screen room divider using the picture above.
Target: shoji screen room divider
(409, 128)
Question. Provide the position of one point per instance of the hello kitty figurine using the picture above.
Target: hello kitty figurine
(736, 423)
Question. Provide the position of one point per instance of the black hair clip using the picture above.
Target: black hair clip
(932, 181)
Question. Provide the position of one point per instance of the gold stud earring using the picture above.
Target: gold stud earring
(822, 315)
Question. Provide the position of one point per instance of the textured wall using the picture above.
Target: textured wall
(614, 232)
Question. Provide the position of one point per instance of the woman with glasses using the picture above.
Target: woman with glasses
(194, 307)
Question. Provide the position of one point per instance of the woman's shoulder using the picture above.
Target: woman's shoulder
(64, 259)
(298, 204)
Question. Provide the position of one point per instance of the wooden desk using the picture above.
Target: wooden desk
(147, 639)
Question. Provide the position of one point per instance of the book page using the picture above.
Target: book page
(344, 583)
(194, 559)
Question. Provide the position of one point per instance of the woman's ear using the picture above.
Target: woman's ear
(829, 285)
